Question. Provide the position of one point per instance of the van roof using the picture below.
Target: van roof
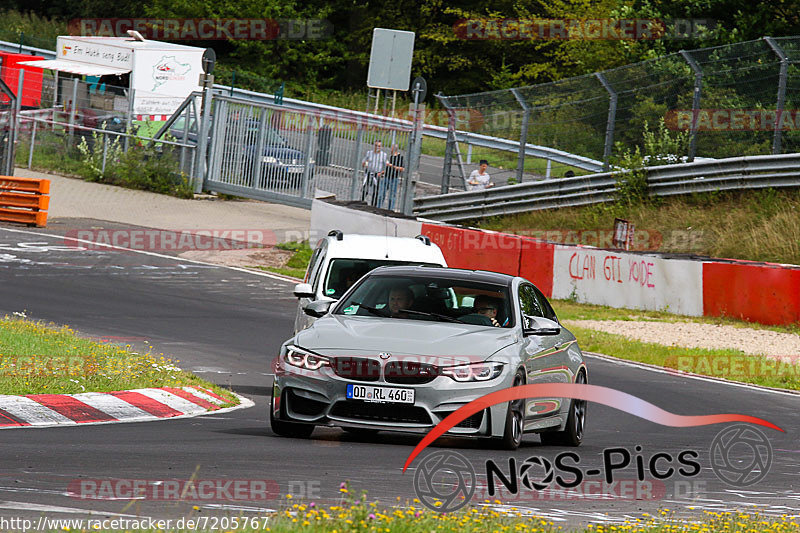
(379, 247)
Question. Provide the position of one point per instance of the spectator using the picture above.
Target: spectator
(394, 168)
(375, 164)
(480, 179)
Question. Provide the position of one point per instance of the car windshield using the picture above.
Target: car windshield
(430, 298)
(343, 273)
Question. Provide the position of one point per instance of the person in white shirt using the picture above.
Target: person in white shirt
(375, 164)
(479, 179)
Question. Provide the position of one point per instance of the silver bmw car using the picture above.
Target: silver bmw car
(406, 346)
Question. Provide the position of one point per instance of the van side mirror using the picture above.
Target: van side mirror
(303, 290)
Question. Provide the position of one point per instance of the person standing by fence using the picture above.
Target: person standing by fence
(479, 179)
(388, 184)
(375, 164)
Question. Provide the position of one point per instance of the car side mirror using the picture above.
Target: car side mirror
(319, 308)
(534, 325)
(303, 290)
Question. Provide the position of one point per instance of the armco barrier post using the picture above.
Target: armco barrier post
(309, 150)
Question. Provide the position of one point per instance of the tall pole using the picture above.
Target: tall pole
(612, 116)
(698, 88)
(777, 133)
(523, 135)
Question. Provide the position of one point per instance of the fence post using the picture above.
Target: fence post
(202, 142)
(14, 134)
(449, 146)
(523, 135)
(307, 167)
(105, 153)
(33, 142)
(612, 116)
(73, 109)
(356, 164)
(414, 150)
(776, 138)
(698, 87)
(255, 178)
(129, 118)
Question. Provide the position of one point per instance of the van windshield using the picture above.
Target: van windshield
(343, 273)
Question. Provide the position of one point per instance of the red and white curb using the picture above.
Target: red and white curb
(138, 405)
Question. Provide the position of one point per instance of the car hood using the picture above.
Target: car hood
(349, 335)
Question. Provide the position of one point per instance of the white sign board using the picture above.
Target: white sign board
(390, 59)
(95, 53)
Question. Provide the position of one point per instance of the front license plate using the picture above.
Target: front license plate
(379, 394)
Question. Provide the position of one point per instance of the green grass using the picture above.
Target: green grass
(359, 515)
(37, 358)
(297, 264)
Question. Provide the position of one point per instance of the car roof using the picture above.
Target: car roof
(446, 273)
(353, 246)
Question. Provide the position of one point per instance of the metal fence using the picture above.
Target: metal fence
(272, 153)
(727, 98)
(749, 172)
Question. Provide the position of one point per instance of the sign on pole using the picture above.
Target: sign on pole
(390, 59)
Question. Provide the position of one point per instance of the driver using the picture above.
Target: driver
(487, 307)
(400, 298)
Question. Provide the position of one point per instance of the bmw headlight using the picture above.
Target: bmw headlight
(304, 359)
(484, 371)
(311, 161)
(270, 159)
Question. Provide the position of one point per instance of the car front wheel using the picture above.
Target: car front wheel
(288, 429)
(512, 437)
(576, 422)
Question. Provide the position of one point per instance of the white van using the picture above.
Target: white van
(340, 260)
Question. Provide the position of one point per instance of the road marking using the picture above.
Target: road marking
(169, 399)
(679, 374)
(25, 506)
(154, 254)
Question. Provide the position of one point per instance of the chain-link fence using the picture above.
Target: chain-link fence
(732, 100)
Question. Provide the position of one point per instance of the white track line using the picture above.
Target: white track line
(679, 374)
(278, 277)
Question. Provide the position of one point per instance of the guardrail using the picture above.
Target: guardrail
(736, 173)
(24, 200)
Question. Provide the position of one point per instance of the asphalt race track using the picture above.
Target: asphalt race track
(226, 325)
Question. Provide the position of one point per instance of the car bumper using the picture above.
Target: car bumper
(320, 398)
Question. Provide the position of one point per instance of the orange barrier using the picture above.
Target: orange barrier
(24, 200)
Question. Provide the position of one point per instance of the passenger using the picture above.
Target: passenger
(487, 307)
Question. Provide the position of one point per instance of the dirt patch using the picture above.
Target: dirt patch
(264, 257)
(699, 335)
